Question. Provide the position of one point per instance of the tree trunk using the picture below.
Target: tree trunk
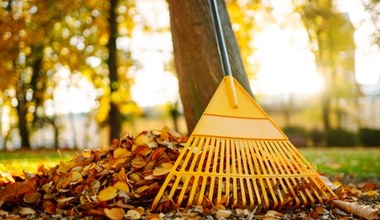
(21, 112)
(114, 113)
(196, 55)
(53, 122)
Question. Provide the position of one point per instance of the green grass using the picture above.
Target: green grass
(356, 162)
(18, 161)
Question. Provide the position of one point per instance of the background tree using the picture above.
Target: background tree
(114, 116)
(42, 37)
(373, 7)
(196, 55)
(331, 38)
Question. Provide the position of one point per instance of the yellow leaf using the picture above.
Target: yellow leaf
(107, 194)
(122, 186)
(121, 152)
(142, 140)
(163, 169)
(114, 213)
(76, 177)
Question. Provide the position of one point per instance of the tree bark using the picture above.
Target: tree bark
(196, 55)
(21, 112)
(114, 116)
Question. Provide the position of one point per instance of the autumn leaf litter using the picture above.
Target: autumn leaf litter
(121, 181)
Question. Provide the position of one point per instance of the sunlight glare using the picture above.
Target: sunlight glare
(153, 86)
(73, 94)
(285, 65)
(367, 70)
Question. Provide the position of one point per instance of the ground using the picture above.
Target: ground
(121, 181)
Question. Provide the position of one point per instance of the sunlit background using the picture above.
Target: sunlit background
(281, 65)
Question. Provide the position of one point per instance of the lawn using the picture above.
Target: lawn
(19, 161)
(357, 162)
(361, 163)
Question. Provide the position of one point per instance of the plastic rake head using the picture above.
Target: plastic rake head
(238, 157)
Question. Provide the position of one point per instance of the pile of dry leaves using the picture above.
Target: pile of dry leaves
(120, 183)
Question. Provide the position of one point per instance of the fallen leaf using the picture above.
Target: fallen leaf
(163, 169)
(364, 211)
(114, 213)
(32, 197)
(107, 194)
(368, 186)
(138, 163)
(142, 150)
(76, 177)
(15, 190)
(122, 186)
(157, 153)
(223, 214)
(142, 140)
(26, 211)
(273, 213)
(317, 211)
(141, 190)
(121, 152)
(132, 214)
(65, 199)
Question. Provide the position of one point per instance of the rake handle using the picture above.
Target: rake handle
(226, 67)
(220, 39)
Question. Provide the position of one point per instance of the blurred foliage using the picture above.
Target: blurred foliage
(369, 137)
(297, 135)
(316, 136)
(341, 137)
(302, 137)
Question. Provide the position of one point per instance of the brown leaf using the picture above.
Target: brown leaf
(142, 190)
(51, 209)
(153, 217)
(114, 213)
(95, 212)
(157, 153)
(368, 186)
(121, 204)
(122, 175)
(120, 160)
(32, 197)
(142, 150)
(317, 211)
(364, 211)
(138, 163)
(15, 190)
